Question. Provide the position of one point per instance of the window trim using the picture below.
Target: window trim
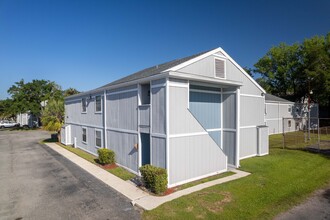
(101, 104)
(225, 67)
(82, 134)
(101, 131)
(82, 109)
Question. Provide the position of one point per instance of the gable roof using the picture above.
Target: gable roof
(153, 70)
(169, 66)
(273, 98)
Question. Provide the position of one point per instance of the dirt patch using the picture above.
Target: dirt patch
(214, 201)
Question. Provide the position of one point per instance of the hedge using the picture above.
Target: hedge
(154, 178)
(106, 156)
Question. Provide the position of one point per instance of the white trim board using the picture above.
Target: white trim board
(188, 134)
(254, 96)
(84, 125)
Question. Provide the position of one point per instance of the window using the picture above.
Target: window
(289, 109)
(84, 135)
(220, 68)
(289, 124)
(98, 103)
(98, 138)
(83, 105)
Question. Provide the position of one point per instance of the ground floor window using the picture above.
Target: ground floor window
(84, 135)
(289, 123)
(98, 138)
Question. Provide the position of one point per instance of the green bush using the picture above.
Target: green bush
(154, 178)
(106, 156)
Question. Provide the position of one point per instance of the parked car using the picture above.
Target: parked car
(8, 124)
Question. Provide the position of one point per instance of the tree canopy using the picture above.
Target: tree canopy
(28, 96)
(292, 71)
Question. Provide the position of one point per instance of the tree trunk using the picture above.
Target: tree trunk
(59, 136)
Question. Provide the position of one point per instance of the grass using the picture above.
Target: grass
(278, 182)
(299, 140)
(118, 171)
(121, 173)
(194, 183)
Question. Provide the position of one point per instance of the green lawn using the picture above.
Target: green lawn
(118, 171)
(299, 140)
(278, 182)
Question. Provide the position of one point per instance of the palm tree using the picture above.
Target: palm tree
(52, 116)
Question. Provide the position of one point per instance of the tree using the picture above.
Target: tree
(5, 108)
(28, 96)
(292, 71)
(52, 116)
(248, 70)
(70, 91)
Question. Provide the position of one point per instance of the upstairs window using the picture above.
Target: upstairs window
(83, 105)
(220, 68)
(98, 103)
(289, 109)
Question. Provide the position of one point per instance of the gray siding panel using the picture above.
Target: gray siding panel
(158, 149)
(121, 89)
(194, 156)
(73, 113)
(206, 108)
(144, 111)
(204, 67)
(229, 111)
(229, 145)
(233, 73)
(76, 132)
(122, 110)
(248, 142)
(252, 111)
(216, 136)
(158, 110)
(181, 120)
(158, 82)
(123, 146)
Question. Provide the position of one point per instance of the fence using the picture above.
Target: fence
(306, 133)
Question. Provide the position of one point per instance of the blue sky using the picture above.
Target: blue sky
(86, 44)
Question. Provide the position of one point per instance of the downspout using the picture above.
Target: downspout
(105, 117)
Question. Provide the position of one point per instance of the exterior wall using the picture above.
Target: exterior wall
(205, 67)
(158, 152)
(89, 146)
(189, 141)
(74, 115)
(158, 100)
(275, 112)
(122, 110)
(122, 143)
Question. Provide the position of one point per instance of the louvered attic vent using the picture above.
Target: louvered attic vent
(219, 68)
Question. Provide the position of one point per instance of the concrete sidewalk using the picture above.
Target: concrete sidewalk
(137, 196)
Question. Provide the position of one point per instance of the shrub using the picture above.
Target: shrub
(155, 178)
(106, 156)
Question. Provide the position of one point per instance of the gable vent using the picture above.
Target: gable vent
(219, 68)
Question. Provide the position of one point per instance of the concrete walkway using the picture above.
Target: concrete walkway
(137, 196)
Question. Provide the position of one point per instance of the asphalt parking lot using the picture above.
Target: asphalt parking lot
(38, 183)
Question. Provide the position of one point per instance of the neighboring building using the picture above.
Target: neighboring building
(27, 120)
(283, 114)
(194, 116)
(276, 109)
